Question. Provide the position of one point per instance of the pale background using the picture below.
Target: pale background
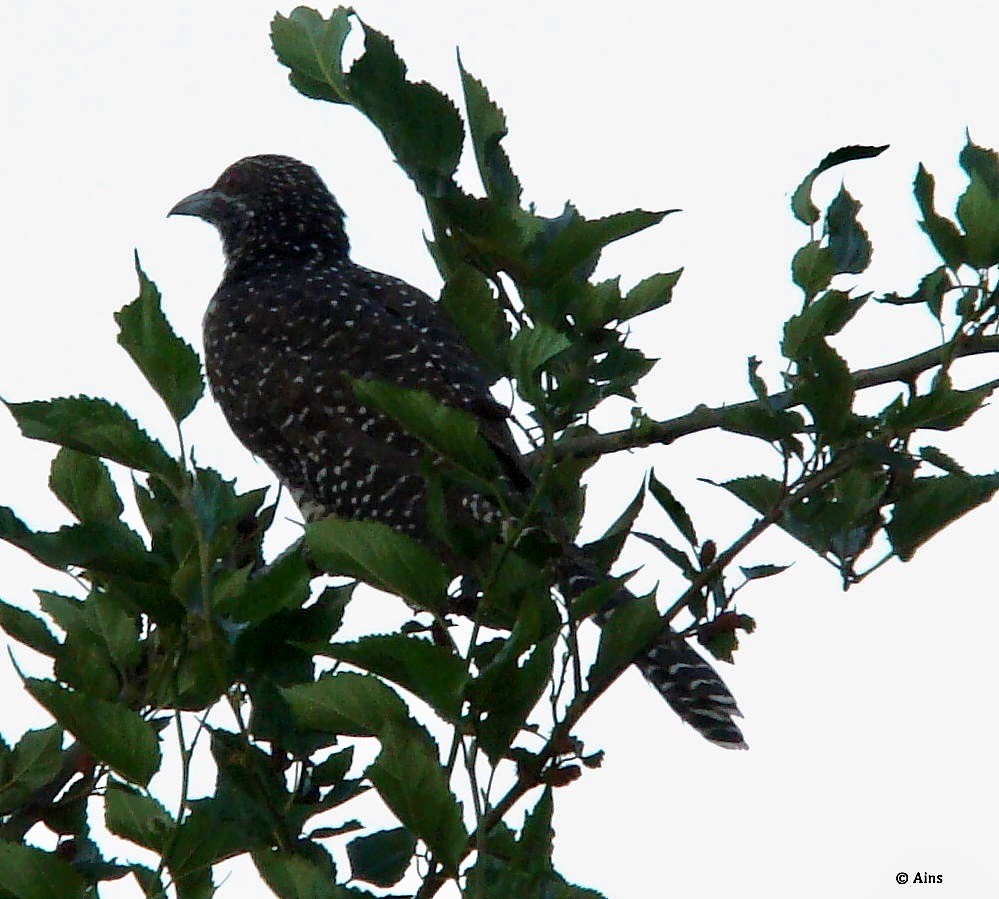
(870, 714)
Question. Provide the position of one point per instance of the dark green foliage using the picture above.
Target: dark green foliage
(176, 608)
(630, 629)
(95, 427)
(930, 504)
(115, 735)
(433, 673)
(451, 432)
(382, 858)
(30, 873)
(801, 202)
(375, 553)
(33, 762)
(170, 365)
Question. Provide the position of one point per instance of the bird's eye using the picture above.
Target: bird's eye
(233, 182)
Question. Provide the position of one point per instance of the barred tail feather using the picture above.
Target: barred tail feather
(688, 683)
(694, 690)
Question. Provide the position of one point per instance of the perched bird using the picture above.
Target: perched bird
(294, 320)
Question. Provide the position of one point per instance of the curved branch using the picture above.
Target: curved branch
(704, 418)
(529, 774)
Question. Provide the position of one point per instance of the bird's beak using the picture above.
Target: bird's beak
(206, 204)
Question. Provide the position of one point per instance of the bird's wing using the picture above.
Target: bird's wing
(428, 353)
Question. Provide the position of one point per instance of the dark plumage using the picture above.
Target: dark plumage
(293, 316)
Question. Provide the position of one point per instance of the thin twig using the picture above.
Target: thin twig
(705, 418)
(529, 773)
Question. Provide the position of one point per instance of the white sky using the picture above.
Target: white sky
(870, 714)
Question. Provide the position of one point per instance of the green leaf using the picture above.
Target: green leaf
(96, 427)
(212, 831)
(34, 762)
(981, 164)
(135, 817)
(251, 792)
(107, 547)
(758, 491)
(84, 665)
(942, 232)
(534, 848)
(170, 364)
(826, 316)
(941, 460)
(386, 559)
(630, 629)
(928, 505)
(214, 500)
(679, 558)
(932, 290)
(333, 768)
(454, 433)
(651, 293)
(495, 236)
(421, 126)
(84, 486)
(312, 47)
(433, 673)
(27, 629)
(319, 621)
(101, 648)
(383, 857)
(720, 637)
(942, 409)
(812, 268)
(282, 585)
(487, 125)
(805, 211)
(294, 876)
(619, 370)
(772, 426)
(495, 877)
(411, 781)
(117, 630)
(755, 572)
(756, 382)
(407, 772)
(848, 241)
(825, 386)
(30, 873)
(348, 703)
(605, 550)
(66, 611)
(978, 206)
(112, 733)
(508, 689)
(576, 243)
(469, 301)
(149, 881)
(530, 349)
(673, 508)
(591, 306)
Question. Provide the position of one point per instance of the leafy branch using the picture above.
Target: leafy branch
(706, 418)
(176, 610)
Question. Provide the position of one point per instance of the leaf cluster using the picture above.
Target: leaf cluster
(174, 610)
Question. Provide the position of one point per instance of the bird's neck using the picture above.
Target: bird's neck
(306, 255)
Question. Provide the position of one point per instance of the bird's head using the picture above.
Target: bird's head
(269, 207)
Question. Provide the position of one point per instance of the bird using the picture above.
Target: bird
(295, 321)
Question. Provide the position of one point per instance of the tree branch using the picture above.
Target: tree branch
(529, 773)
(704, 418)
